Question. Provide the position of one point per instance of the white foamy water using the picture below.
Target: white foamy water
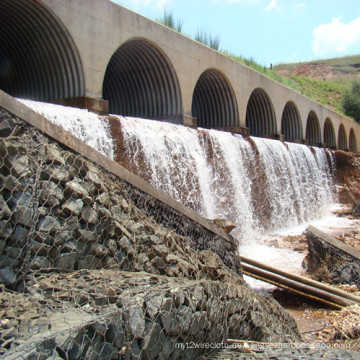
(264, 186)
(299, 184)
(214, 173)
(92, 129)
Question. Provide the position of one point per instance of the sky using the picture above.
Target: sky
(267, 31)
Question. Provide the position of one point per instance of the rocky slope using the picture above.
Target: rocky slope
(92, 267)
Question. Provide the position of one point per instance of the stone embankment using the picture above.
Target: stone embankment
(332, 260)
(93, 267)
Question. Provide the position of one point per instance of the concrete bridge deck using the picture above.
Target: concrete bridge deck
(99, 55)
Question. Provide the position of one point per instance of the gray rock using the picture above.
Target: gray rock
(135, 227)
(153, 305)
(49, 224)
(6, 261)
(5, 229)
(107, 351)
(58, 174)
(93, 178)
(137, 321)
(7, 276)
(40, 249)
(89, 235)
(75, 188)
(99, 250)
(184, 318)
(2, 246)
(73, 206)
(104, 199)
(53, 155)
(13, 252)
(5, 211)
(115, 334)
(62, 237)
(198, 322)
(154, 340)
(51, 193)
(90, 262)
(125, 244)
(13, 184)
(102, 211)
(6, 127)
(235, 323)
(40, 262)
(90, 216)
(21, 204)
(111, 245)
(18, 165)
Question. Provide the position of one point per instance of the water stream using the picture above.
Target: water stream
(261, 185)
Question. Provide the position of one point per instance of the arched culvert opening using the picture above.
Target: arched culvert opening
(214, 104)
(329, 134)
(140, 82)
(342, 140)
(38, 59)
(352, 141)
(260, 115)
(313, 131)
(291, 122)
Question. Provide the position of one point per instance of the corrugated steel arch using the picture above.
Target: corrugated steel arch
(260, 114)
(214, 104)
(342, 138)
(140, 81)
(291, 122)
(38, 58)
(313, 131)
(352, 141)
(329, 134)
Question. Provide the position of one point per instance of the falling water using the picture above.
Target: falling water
(260, 185)
(86, 126)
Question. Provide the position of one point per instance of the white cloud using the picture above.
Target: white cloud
(336, 37)
(273, 5)
(300, 6)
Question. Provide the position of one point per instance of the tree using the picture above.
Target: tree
(351, 101)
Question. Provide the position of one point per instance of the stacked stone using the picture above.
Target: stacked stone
(109, 313)
(107, 271)
(331, 263)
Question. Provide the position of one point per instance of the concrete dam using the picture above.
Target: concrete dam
(98, 55)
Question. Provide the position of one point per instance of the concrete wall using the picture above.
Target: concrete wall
(97, 29)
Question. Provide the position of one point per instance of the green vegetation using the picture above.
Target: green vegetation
(169, 21)
(326, 92)
(351, 101)
(207, 39)
(203, 37)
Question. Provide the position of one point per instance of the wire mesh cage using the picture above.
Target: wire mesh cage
(91, 267)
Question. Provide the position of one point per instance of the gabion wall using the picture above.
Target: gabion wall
(93, 268)
(330, 263)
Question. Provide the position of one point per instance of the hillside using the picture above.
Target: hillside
(323, 81)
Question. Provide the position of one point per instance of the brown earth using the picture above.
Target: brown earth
(315, 71)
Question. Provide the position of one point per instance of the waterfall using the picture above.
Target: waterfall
(92, 129)
(259, 184)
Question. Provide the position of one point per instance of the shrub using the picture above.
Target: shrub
(169, 21)
(351, 101)
(207, 39)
